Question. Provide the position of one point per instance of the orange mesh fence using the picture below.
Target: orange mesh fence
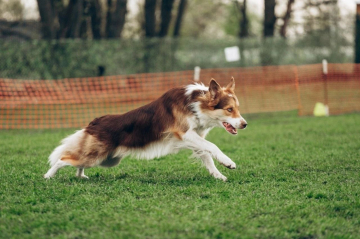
(71, 103)
(339, 89)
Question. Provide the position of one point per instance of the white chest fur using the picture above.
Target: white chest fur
(168, 145)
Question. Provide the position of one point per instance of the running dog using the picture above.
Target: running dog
(179, 119)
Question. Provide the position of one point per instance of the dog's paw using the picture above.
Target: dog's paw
(83, 176)
(230, 165)
(219, 176)
(227, 162)
(47, 176)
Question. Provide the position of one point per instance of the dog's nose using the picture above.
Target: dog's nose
(244, 125)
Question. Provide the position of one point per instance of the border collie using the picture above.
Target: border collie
(179, 119)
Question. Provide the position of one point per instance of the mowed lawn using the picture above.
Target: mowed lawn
(296, 177)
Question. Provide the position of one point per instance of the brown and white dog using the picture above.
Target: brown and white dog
(180, 119)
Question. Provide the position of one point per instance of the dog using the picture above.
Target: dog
(179, 119)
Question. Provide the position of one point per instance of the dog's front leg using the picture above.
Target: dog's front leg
(209, 164)
(193, 141)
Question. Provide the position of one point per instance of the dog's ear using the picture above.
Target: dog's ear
(214, 89)
(231, 85)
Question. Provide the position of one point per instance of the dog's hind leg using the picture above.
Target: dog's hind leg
(209, 164)
(80, 173)
(58, 165)
(65, 160)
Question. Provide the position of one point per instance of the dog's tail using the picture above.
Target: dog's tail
(66, 145)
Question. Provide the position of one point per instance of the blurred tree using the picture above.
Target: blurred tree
(286, 18)
(244, 26)
(95, 16)
(166, 9)
(320, 15)
(321, 22)
(115, 18)
(357, 34)
(150, 19)
(150, 26)
(12, 10)
(49, 25)
(75, 18)
(235, 25)
(266, 54)
(11, 21)
(207, 21)
(269, 18)
(179, 17)
(243, 19)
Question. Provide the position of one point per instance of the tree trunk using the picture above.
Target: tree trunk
(60, 13)
(150, 20)
(269, 18)
(286, 18)
(269, 27)
(244, 26)
(85, 25)
(116, 18)
(72, 19)
(84, 29)
(179, 17)
(48, 25)
(95, 14)
(108, 16)
(166, 9)
(357, 34)
(76, 19)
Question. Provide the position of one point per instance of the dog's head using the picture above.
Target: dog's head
(222, 106)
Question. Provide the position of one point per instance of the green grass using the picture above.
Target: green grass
(297, 177)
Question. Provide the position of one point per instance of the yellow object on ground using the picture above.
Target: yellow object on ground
(321, 109)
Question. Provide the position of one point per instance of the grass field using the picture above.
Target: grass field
(296, 177)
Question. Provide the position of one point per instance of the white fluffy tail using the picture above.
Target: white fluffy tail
(66, 144)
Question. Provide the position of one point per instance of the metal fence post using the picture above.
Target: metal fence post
(296, 74)
(326, 95)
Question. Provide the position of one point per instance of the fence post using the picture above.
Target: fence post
(197, 70)
(296, 74)
(326, 97)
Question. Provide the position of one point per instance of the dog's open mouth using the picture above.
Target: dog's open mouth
(229, 128)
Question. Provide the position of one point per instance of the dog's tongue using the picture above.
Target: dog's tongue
(229, 128)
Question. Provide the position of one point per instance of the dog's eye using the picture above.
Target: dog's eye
(230, 109)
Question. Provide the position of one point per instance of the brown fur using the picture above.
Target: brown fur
(73, 160)
(221, 98)
(135, 129)
(139, 127)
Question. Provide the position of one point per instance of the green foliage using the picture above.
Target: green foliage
(203, 19)
(231, 24)
(79, 58)
(296, 178)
